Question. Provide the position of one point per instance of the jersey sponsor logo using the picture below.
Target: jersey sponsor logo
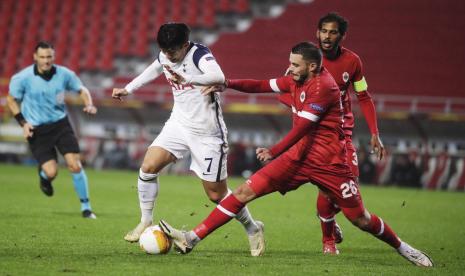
(180, 87)
(302, 96)
(345, 77)
(317, 107)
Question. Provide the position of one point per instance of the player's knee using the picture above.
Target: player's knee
(362, 222)
(244, 193)
(51, 173)
(215, 197)
(75, 167)
(146, 167)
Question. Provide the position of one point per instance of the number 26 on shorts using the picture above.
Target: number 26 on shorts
(348, 189)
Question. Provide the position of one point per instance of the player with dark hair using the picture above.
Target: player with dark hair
(196, 126)
(346, 68)
(36, 99)
(313, 151)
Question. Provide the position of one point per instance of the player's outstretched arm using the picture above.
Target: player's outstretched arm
(119, 93)
(149, 74)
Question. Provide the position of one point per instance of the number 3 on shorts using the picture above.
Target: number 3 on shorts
(348, 189)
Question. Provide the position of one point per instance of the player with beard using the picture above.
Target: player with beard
(313, 151)
(346, 68)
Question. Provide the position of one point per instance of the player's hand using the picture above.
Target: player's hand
(377, 146)
(118, 93)
(28, 130)
(90, 109)
(212, 89)
(175, 77)
(263, 154)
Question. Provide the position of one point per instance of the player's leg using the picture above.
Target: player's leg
(332, 233)
(217, 191)
(81, 183)
(169, 146)
(374, 225)
(228, 208)
(351, 203)
(47, 172)
(42, 146)
(67, 144)
(209, 162)
(156, 158)
(327, 209)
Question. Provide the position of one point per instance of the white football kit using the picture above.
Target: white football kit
(196, 122)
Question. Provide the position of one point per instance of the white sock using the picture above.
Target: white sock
(245, 218)
(147, 187)
(403, 247)
(192, 238)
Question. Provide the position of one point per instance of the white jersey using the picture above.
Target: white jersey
(197, 113)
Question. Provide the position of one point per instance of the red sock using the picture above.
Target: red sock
(382, 231)
(224, 212)
(326, 212)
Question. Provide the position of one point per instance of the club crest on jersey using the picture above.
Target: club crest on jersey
(345, 77)
(317, 107)
(302, 96)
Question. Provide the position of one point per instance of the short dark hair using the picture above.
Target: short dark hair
(173, 35)
(342, 24)
(43, 45)
(309, 52)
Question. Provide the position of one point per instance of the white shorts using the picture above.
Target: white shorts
(208, 153)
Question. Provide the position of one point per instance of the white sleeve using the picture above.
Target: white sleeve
(150, 73)
(212, 73)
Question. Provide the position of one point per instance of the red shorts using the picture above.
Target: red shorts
(283, 175)
(352, 159)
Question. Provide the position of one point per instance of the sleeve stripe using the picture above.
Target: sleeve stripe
(360, 85)
(308, 115)
(274, 85)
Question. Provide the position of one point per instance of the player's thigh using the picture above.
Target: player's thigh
(281, 174)
(42, 147)
(65, 139)
(342, 190)
(155, 159)
(209, 157)
(352, 158)
(169, 145)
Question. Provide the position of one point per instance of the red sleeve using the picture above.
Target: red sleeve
(368, 109)
(300, 129)
(260, 86)
(318, 100)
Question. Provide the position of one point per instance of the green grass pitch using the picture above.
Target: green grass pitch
(47, 236)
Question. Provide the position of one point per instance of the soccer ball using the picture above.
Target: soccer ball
(154, 241)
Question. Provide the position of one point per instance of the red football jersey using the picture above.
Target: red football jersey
(346, 70)
(318, 100)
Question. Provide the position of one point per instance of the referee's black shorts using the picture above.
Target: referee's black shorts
(46, 138)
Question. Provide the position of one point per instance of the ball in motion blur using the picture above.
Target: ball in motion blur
(154, 241)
